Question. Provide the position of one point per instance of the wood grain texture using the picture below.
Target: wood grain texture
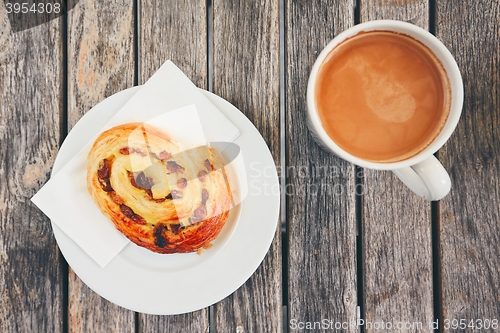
(397, 225)
(397, 253)
(100, 53)
(412, 11)
(100, 63)
(31, 275)
(177, 31)
(321, 187)
(196, 321)
(470, 215)
(246, 73)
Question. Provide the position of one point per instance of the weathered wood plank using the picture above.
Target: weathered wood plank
(246, 73)
(470, 215)
(31, 274)
(397, 250)
(177, 31)
(397, 225)
(321, 187)
(100, 63)
(412, 11)
(100, 53)
(196, 321)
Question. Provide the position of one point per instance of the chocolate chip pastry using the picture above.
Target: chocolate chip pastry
(162, 197)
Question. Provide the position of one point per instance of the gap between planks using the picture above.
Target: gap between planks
(283, 178)
(64, 133)
(436, 264)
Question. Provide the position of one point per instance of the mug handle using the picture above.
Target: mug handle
(428, 179)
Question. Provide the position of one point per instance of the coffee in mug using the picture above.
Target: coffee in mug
(382, 96)
(387, 95)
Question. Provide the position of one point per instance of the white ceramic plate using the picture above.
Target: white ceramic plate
(143, 281)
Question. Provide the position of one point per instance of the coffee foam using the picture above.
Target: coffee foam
(385, 96)
(382, 101)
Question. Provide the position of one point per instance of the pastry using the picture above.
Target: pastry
(159, 196)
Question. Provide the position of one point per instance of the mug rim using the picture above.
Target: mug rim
(436, 47)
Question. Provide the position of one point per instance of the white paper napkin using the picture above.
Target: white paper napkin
(170, 101)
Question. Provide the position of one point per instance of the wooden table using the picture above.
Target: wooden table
(388, 253)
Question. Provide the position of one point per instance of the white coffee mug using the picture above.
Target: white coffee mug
(422, 173)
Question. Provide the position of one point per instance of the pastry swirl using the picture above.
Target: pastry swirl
(159, 196)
